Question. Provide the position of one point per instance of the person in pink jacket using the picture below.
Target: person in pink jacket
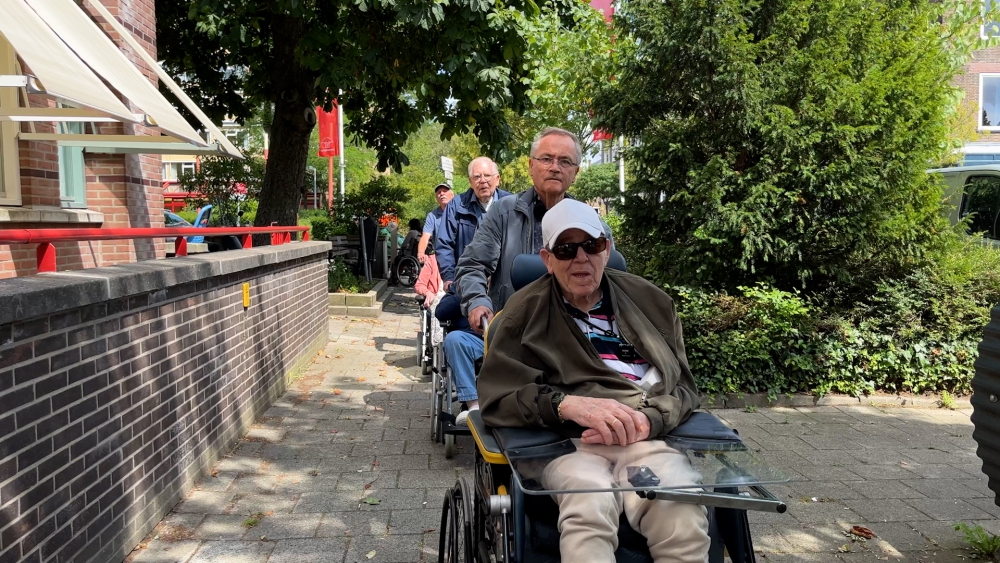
(429, 285)
(429, 282)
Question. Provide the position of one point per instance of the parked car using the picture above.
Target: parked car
(174, 220)
(975, 191)
(216, 243)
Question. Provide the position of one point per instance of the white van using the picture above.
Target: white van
(974, 190)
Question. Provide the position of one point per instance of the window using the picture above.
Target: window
(172, 171)
(237, 137)
(991, 27)
(72, 173)
(989, 102)
(982, 201)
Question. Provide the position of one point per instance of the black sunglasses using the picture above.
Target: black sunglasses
(567, 251)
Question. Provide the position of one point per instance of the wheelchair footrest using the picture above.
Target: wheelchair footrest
(448, 428)
(448, 425)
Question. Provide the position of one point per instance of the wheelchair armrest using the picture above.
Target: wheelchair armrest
(527, 443)
(488, 445)
(704, 431)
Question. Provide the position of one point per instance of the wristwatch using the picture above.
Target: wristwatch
(557, 399)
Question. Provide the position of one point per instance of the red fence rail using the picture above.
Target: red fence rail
(46, 252)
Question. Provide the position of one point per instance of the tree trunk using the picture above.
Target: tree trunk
(294, 119)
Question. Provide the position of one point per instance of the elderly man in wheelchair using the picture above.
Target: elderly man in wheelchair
(598, 355)
(594, 358)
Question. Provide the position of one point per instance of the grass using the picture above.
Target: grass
(947, 401)
(983, 543)
(750, 409)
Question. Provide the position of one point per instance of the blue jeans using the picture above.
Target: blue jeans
(462, 350)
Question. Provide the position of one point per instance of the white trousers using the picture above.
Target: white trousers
(588, 522)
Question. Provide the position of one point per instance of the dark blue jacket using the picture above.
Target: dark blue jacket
(449, 309)
(458, 226)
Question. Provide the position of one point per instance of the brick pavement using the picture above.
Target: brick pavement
(355, 430)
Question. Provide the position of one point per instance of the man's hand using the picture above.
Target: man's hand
(447, 285)
(476, 315)
(607, 421)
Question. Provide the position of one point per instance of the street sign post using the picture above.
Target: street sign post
(448, 166)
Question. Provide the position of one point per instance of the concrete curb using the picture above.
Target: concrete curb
(364, 305)
(760, 400)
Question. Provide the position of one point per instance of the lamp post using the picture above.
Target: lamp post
(313, 170)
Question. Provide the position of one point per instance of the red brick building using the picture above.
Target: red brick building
(981, 105)
(47, 182)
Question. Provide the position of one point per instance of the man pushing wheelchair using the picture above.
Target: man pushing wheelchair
(598, 356)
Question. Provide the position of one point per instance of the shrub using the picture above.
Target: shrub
(918, 334)
(598, 181)
(775, 142)
(188, 215)
(375, 198)
(340, 278)
(308, 215)
(324, 229)
(231, 186)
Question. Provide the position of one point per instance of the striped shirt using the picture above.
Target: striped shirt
(601, 329)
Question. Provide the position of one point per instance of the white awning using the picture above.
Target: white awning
(61, 73)
(96, 49)
(217, 135)
(59, 41)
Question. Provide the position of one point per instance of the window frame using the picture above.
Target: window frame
(72, 169)
(979, 115)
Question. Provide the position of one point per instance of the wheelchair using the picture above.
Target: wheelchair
(425, 349)
(444, 399)
(405, 269)
(506, 515)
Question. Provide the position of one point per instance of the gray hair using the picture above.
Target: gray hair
(496, 170)
(557, 131)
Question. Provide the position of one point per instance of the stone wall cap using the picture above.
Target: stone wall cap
(45, 294)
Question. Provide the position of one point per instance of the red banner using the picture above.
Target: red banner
(603, 6)
(602, 135)
(328, 127)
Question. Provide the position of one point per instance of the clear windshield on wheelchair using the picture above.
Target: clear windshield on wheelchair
(680, 466)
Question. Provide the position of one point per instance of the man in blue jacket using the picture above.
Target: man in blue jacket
(462, 216)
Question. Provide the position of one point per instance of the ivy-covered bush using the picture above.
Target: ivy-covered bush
(917, 334)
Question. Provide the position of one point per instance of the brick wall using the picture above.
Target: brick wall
(983, 60)
(118, 389)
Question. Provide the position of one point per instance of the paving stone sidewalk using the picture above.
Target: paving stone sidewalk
(342, 469)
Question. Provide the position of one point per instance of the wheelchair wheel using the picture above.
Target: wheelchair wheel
(456, 540)
(426, 351)
(436, 404)
(421, 357)
(493, 534)
(407, 270)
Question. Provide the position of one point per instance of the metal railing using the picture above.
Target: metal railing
(46, 251)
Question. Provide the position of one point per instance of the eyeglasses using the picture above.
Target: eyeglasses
(567, 251)
(480, 177)
(548, 160)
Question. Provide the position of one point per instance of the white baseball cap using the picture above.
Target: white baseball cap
(570, 214)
